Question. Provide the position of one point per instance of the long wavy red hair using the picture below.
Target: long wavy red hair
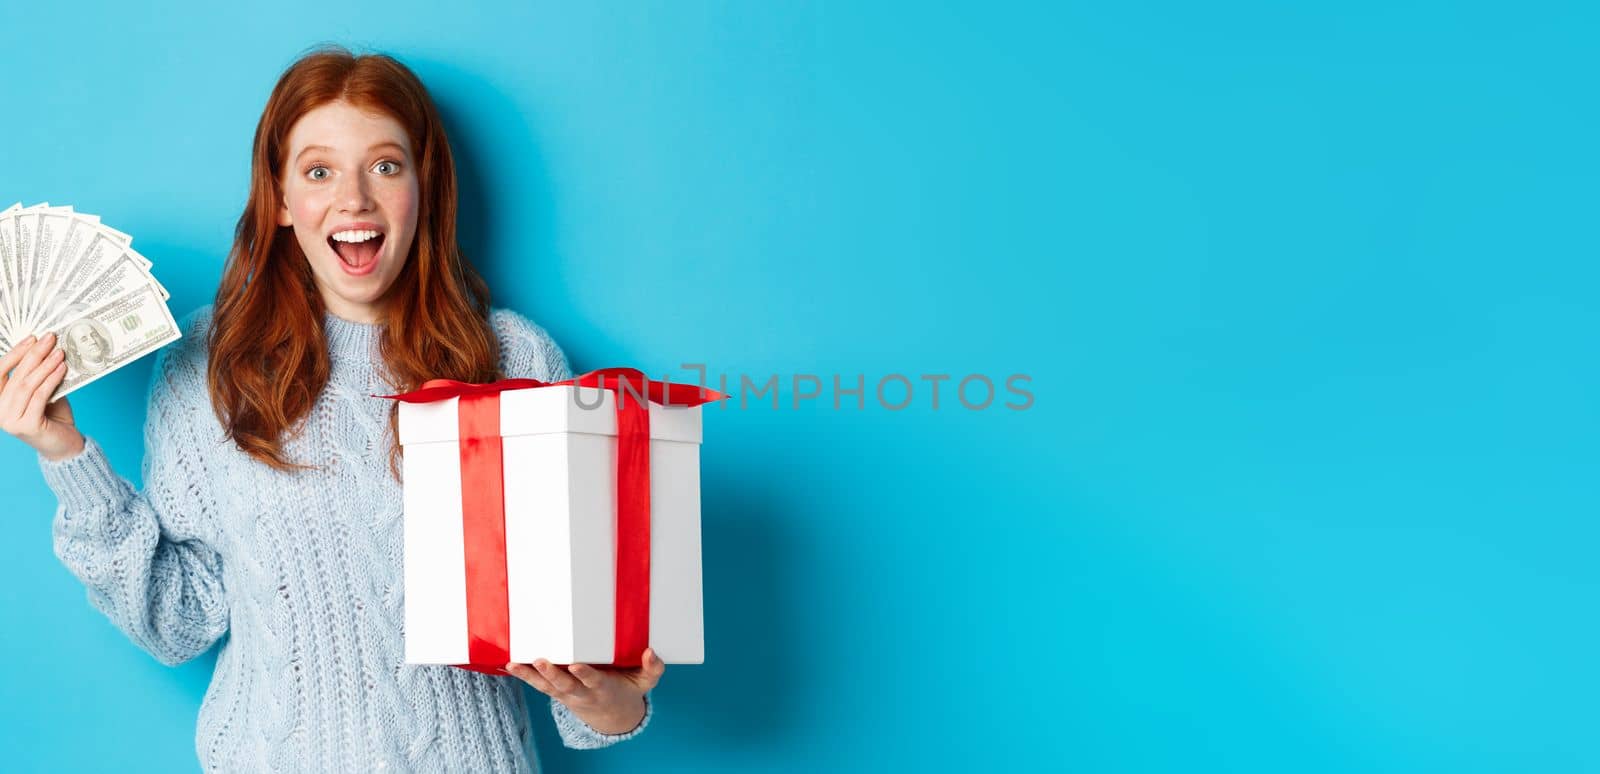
(268, 355)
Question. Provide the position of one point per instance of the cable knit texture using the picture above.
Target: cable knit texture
(297, 574)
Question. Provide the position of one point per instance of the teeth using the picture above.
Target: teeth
(355, 236)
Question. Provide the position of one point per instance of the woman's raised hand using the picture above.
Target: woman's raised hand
(29, 375)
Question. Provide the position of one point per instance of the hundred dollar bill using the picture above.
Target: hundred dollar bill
(80, 230)
(115, 234)
(73, 272)
(19, 241)
(97, 256)
(49, 229)
(7, 259)
(125, 275)
(113, 335)
(24, 228)
(68, 240)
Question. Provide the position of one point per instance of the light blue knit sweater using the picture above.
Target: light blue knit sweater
(298, 574)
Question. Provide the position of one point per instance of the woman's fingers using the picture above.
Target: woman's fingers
(37, 352)
(31, 357)
(24, 378)
(33, 416)
(558, 677)
(588, 675)
(654, 668)
(578, 680)
(42, 370)
(19, 409)
(14, 357)
(651, 667)
(531, 676)
(549, 679)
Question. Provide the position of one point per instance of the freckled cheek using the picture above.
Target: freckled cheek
(400, 207)
(399, 203)
(308, 208)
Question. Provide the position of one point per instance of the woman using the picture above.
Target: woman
(271, 512)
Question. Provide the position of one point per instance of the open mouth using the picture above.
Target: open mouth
(357, 248)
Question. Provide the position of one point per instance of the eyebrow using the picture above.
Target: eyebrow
(309, 148)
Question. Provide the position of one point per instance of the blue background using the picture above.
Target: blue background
(1306, 296)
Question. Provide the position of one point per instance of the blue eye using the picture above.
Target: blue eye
(312, 173)
(393, 167)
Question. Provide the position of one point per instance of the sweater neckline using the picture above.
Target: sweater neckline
(349, 340)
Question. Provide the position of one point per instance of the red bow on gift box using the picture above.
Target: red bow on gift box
(483, 503)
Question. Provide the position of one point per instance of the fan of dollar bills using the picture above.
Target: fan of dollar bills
(66, 273)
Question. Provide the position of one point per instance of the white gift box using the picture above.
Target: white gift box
(560, 466)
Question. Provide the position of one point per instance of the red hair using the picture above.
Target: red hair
(268, 356)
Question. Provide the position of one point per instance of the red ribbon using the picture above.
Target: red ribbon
(483, 505)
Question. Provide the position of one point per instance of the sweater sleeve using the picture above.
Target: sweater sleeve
(528, 352)
(579, 735)
(140, 554)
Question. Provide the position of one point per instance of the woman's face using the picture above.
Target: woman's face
(350, 192)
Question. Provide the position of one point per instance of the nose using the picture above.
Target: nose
(352, 194)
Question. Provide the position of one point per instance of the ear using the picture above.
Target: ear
(283, 214)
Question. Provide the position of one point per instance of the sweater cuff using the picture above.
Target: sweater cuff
(593, 738)
(83, 481)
